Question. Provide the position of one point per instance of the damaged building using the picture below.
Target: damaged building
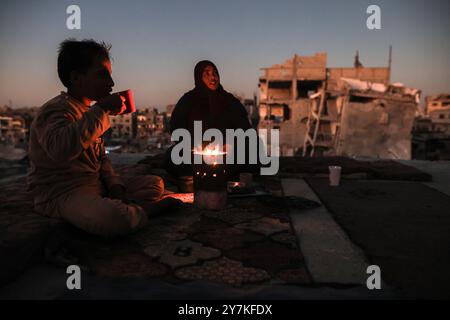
(431, 132)
(437, 109)
(12, 130)
(337, 111)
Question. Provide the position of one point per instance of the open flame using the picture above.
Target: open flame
(211, 155)
(209, 151)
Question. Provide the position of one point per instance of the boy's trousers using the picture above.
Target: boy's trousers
(89, 208)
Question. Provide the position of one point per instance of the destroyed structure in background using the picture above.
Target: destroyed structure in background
(437, 109)
(337, 111)
(12, 130)
(431, 133)
(353, 112)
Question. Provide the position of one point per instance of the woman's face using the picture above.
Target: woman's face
(210, 78)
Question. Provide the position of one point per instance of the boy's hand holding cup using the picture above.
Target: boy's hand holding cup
(118, 103)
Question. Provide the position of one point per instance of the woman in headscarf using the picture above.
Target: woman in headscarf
(210, 103)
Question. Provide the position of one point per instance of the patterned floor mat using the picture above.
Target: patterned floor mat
(251, 241)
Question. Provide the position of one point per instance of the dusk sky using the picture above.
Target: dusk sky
(155, 44)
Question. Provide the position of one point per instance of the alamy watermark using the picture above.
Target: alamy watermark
(374, 280)
(373, 21)
(74, 279)
(257, 147)
(73, 21)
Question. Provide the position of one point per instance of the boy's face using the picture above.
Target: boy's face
(96, 82)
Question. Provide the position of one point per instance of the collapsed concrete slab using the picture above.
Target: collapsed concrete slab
(375, 121)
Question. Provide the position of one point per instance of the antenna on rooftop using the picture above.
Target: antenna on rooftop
(390, 62)
(357, 63)
(390, 56)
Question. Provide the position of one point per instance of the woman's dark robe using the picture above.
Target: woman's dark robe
(216, 109)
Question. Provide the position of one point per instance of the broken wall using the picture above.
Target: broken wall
(379, 75)
(295, 127)
(383, 128)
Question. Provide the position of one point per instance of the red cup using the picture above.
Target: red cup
(129, 101)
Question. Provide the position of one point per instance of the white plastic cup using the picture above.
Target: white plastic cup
(335, 175)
